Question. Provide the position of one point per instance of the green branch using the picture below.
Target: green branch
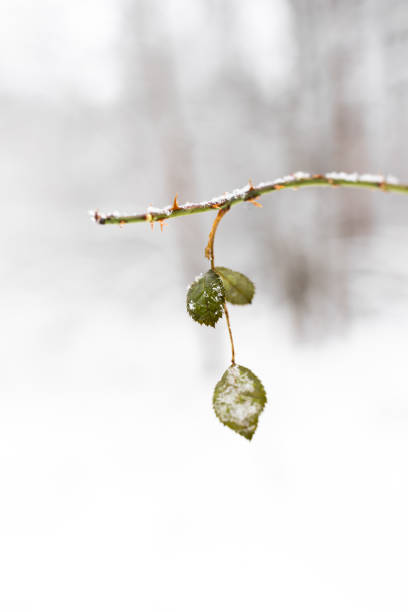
(251, 192)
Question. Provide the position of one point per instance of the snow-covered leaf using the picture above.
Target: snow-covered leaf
(239, 398)
(238, 288)
(205, 298)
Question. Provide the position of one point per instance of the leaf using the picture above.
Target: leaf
(205, 299)
(238, 288)
(238, 400)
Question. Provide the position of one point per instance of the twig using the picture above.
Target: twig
(250, 192)
(230, 333)
(209, 253)
(209, 249)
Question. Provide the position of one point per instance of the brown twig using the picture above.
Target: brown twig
(209, 249)
(230, 334)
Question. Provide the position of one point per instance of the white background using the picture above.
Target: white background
(119, 489)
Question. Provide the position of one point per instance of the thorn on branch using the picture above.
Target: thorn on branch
(97, 217)
(252, 193)
(149, 219)
(175, 204)
(255, 203)
(383, 184)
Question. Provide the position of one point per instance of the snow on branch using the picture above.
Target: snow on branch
(250, 192)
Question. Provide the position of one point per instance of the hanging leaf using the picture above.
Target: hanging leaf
(205, 299)
(238, 288)
(239, 398)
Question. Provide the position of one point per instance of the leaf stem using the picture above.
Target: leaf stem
(209, 249)
(230, 334)
(209, 253)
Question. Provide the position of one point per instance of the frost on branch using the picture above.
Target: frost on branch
(205, 299)
(238, 288)
(239, 398)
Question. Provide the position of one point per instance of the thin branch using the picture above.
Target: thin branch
(209, 249)
(230, 333)
(209, 253)
(250, 192)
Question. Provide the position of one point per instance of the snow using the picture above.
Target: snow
(343, 176)
(371, 178)
(231, 403)
(219, 294)
(302, 175)
(153, 210)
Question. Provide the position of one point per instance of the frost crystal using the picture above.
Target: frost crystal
(372, 178)
(342, 176)
(301, 175)
(159, 211)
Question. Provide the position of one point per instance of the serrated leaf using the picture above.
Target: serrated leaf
(205, 299)
(238, 288)
(238, 400)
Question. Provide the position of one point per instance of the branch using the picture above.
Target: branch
(250, 192)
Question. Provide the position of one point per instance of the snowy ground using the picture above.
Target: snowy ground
(122, 491)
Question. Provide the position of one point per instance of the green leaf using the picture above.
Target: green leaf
(238, 400)
(205, 299)
(238, 288)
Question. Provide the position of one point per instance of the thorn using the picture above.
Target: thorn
(250, 185)
(383, 184)
(149, 219)
(255, 203)
(332, 183)
(97, 216)
(121, 223)
(162, 223)
(175, 203)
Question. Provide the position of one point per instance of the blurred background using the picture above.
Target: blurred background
(119, 489)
